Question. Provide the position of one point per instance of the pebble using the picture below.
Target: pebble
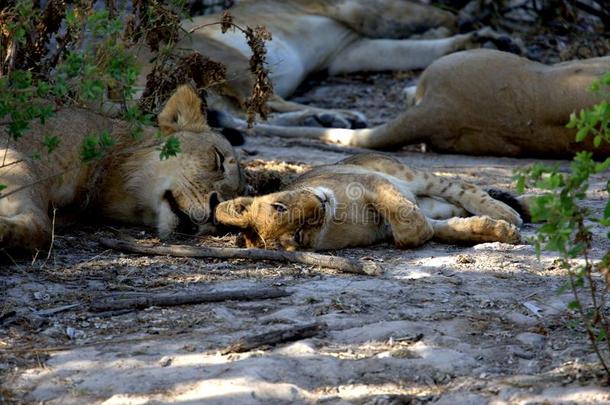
(520, 319)
(165, 361)
(531, 339)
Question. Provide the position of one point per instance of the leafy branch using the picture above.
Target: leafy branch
(92, 60)
(567, 223)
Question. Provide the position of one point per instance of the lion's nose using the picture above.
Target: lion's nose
(190, 228)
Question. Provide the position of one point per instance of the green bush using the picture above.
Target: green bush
(566, 227)
(89, 60)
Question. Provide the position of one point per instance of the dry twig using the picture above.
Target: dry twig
(343, 264)
(271, 338)
(119, 302)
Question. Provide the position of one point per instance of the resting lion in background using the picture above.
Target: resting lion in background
(484, 102)
(338, 36)
(367, 199)
(131, 184)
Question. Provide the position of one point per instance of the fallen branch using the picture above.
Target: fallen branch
(114, 303)
(56, 310)
(338, 263)
(291, 334)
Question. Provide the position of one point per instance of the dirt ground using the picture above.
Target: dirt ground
(445, 324)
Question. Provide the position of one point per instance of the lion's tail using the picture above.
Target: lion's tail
(521, 203)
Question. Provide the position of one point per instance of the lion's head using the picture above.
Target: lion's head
(183, 191)
(286, 219)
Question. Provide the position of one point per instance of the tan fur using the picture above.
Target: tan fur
(484, 102)
(340, 36)
(129, 185)
(367, 199)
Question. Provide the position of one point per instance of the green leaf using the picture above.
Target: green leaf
(600, 167)
(90, 149)
(17, 128)
(170, 148)
(51, 143)
(520, 184)
(574, 305)
(106, 140)
(601, 336)
(3, 187)
(573, 121)
(582, 134)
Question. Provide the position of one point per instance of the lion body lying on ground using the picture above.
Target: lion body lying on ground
(338, 36)
(131, 184)
(484, 102)
(366, 199)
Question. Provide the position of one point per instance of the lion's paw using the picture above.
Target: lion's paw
(506, 232)
(336, 119)
(321, 119)
(502, 42)
(371, 268)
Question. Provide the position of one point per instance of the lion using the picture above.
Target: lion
(366, 199)
(130, 184)
(484, 102)
(337, 36)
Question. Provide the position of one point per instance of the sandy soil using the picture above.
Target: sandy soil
(445, 324)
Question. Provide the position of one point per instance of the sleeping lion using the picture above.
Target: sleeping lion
(337, 36)
(131, 184)
(484, 102)
(366, 199)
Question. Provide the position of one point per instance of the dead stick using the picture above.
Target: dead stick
(298, 332)
(114, 303)
(338, 263)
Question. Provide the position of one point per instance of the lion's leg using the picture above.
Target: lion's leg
(417, 124)
(396, 54)
(440, 209)
(24, 221)
(479, 229)
(291, 114)
(473, 199)
(409, 226)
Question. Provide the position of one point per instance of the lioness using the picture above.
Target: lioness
(370, 198)
(340, 36)
(484, 102)
(132, 184)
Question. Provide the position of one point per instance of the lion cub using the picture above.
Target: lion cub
(131, 184)
(366, 199)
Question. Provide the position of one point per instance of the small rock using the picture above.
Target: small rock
(531, 339)
(520, 353)
(42, 296)
(165, 361)
(520, 319)
(404, 353)
(189, 348)
(74, 333)
(464, 259)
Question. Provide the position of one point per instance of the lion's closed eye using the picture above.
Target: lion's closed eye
(219, 160)
(298, 236)
(279, 207)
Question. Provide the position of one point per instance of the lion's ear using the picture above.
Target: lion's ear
(182, 112)
(235, 212)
